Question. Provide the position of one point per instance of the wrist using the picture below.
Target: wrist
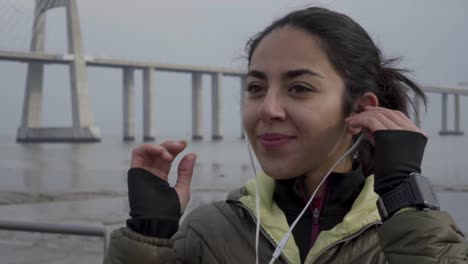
(414, 192)
(154, 227)
(398, 153)
(151, 197)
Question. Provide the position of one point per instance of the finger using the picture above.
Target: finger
(370, 123)
(153, 158)
(405, 121)
(185, 173)
(385, 121)
(397, 117)
(142, 152)
(354, 130)
(157, 150)
(175, 147)
(386, 117)
(144, 148)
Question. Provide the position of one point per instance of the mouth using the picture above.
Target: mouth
(271, 141)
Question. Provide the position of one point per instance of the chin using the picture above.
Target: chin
(278, 173)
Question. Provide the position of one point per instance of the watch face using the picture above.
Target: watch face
(427, 193)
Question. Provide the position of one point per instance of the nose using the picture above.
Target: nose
(272, 107)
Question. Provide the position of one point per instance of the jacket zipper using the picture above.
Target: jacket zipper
(345, 239)
(316, 215)
(262, 230)
(316, 207)
(315, 225)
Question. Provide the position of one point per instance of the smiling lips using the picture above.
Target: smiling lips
(274, 140)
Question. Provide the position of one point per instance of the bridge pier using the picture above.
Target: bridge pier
(83, 129)
(148, 106)
(216, 106)
(32, 104)
(457, 113)
(197, 107)
(456, 131)
(128, 105)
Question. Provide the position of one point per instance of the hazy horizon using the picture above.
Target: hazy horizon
(431, 36)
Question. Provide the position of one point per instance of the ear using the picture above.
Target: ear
(367, 99)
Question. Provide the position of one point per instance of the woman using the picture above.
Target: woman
(315, 82)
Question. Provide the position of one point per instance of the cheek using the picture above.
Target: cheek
(248, 117)
(307, 118)
(318, 124)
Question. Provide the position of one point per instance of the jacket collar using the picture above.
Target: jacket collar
(273, 220)
(342, 189)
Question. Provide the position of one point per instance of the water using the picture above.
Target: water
(86, 183)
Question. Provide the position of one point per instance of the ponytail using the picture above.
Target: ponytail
(396, 87)
(393, 92)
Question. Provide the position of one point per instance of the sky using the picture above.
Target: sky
(430, 35)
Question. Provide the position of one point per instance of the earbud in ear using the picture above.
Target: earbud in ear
(356, 110)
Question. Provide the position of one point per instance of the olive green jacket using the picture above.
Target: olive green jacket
(224, 232)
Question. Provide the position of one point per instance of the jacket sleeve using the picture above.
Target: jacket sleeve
(422, 237)
(127, 246)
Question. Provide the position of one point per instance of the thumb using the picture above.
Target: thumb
(185, 173)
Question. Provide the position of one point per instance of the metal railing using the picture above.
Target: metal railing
(67, 229)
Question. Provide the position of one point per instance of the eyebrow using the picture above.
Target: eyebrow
(287, 75)
(257, 74)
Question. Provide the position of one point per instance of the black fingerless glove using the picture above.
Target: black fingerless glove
(398, 153)
(154, 205)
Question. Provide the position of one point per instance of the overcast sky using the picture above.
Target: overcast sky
(431, 35)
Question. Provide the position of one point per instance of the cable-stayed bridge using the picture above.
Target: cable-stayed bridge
(83, 127)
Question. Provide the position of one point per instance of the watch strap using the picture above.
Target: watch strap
(414, 191)
(398, 198)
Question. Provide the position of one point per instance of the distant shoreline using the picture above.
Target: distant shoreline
(22, 197)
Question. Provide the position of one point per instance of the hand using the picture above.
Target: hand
(373, 119)
(158, 159)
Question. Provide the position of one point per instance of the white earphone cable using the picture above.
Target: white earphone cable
(257, 204)
(286, 237)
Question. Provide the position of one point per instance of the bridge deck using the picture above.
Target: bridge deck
(114, 63)
(119, 63)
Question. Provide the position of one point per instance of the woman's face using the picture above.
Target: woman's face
(293, 106)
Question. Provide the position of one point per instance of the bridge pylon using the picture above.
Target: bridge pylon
(82, 129)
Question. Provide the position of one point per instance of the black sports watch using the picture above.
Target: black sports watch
(415, 191)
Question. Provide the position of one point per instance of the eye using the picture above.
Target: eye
(254, 88)
(300, 88)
